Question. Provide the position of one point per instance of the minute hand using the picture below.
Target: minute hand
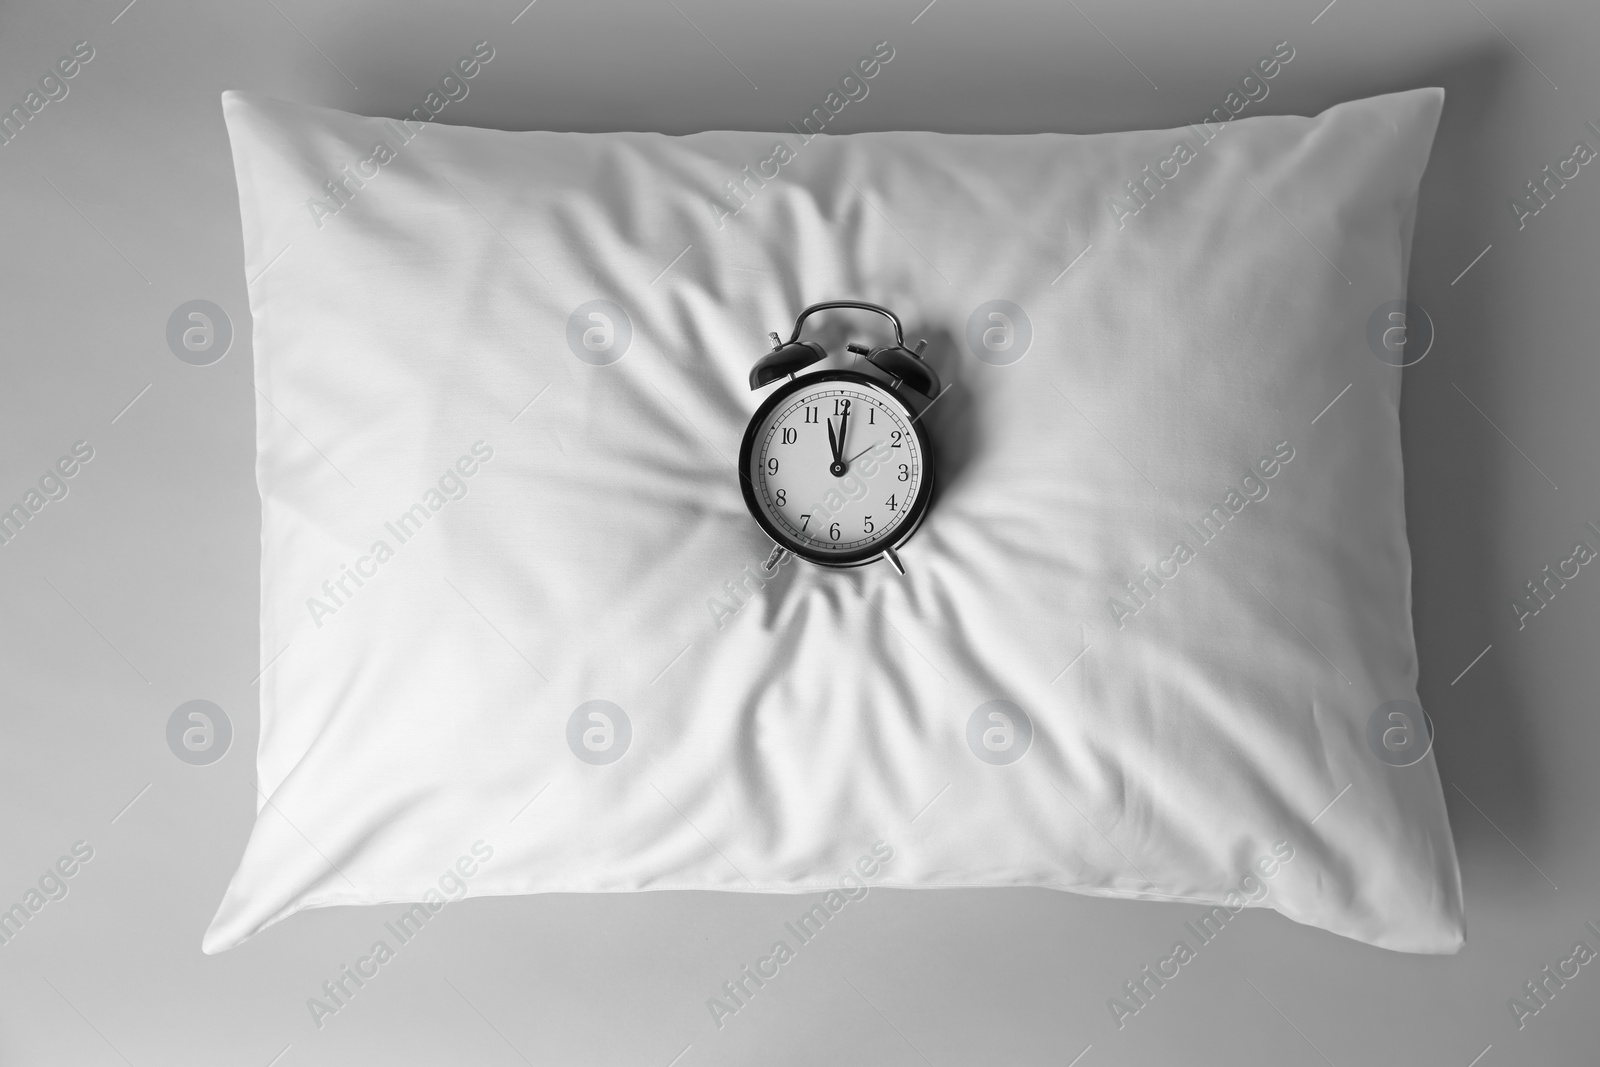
(836, 442)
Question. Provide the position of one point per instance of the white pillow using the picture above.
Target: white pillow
(1155, 637)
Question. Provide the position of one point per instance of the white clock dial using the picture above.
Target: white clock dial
(837, 468)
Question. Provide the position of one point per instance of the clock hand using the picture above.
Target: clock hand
(863, 452)
(837, 467)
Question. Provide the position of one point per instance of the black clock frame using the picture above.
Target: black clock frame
(870, 553)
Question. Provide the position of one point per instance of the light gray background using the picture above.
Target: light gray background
(138, 591)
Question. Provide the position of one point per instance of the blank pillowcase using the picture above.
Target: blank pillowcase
(1154, 640)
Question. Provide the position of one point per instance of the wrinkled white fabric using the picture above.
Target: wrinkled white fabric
(416, 327)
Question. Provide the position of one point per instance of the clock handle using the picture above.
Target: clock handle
(859, 305)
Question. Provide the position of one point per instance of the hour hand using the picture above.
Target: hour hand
(833, 442)
(836, 442)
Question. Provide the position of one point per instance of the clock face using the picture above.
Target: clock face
(836, 468)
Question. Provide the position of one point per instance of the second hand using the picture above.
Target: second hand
(863, 452)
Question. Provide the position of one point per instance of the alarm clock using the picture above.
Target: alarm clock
(835, 465)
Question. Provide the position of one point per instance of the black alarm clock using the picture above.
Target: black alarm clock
(835, 465)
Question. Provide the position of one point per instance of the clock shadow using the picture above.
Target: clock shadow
(950, 419)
